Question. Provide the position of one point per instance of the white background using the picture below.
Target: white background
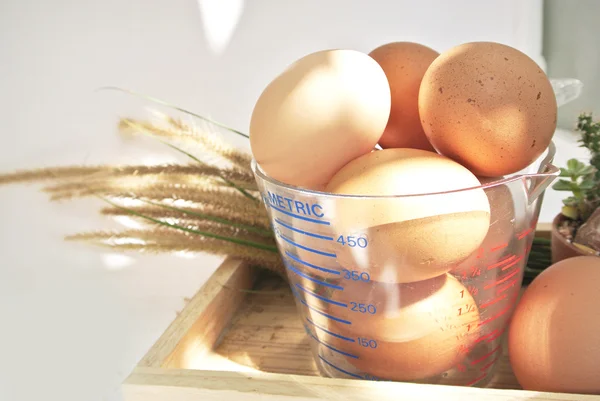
(72, 326)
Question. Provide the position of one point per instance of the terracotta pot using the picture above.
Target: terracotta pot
(561, 248)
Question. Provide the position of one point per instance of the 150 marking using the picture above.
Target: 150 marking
(367, 343)
(352, 241)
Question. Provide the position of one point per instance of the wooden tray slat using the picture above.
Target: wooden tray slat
(198, 327)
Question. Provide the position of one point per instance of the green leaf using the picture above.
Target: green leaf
(563, 185)
(588, 170)
(564, 172)
(587, 184)
(570, 201)
(575, 166)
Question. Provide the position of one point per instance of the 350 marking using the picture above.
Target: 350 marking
(363, 308)
(352, 241)
(356, 275)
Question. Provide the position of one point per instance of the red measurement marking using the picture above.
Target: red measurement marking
(486, 356)
(488, 335)
(489, 365)
(476, 380)
(473, 290)
(491, 336)
(502, 280)
(461, 367)
(480, 253)
(503, 261)
(501, 246)
(513, 263)
(468, 308)
(493, 301)
(496, 316)
(463, 349)
(497, 335)
(524, 234)
(507, 286)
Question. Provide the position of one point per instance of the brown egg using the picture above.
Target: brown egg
(405, 331)
(488, 106)
(324, 110)
(554, 336)
(404, 64)
(406, 238)
(500, 233)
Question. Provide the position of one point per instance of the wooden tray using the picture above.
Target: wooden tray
(240, 338)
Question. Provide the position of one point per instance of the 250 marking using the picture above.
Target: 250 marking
(352, 241)
(363, 308)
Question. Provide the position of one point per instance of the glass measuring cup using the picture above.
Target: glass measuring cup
(376, 305)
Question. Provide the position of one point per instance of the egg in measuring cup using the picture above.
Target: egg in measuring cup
(407, 238)
(499, 236)
(324, 110)
(411, 331)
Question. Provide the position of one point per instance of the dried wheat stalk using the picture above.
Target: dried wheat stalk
(195, 207)
(165, 240)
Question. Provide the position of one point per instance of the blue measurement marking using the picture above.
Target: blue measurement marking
(289, 241)
(340, 369)
(297, 216)
(322, 298)
(332, 348)
(337, 319)
(297, 259)
(302, 231)
(329, 332)
(314, 280)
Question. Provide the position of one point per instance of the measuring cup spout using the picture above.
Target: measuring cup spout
(539, 182)
(536, 183)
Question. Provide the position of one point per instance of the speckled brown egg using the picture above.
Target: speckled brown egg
(404, 64)
(407, 331)
(554, 336)
(499, 235)
(488, 106)
(416, 225)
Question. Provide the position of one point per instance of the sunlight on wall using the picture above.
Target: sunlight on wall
(219, 20)
(116, 261)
